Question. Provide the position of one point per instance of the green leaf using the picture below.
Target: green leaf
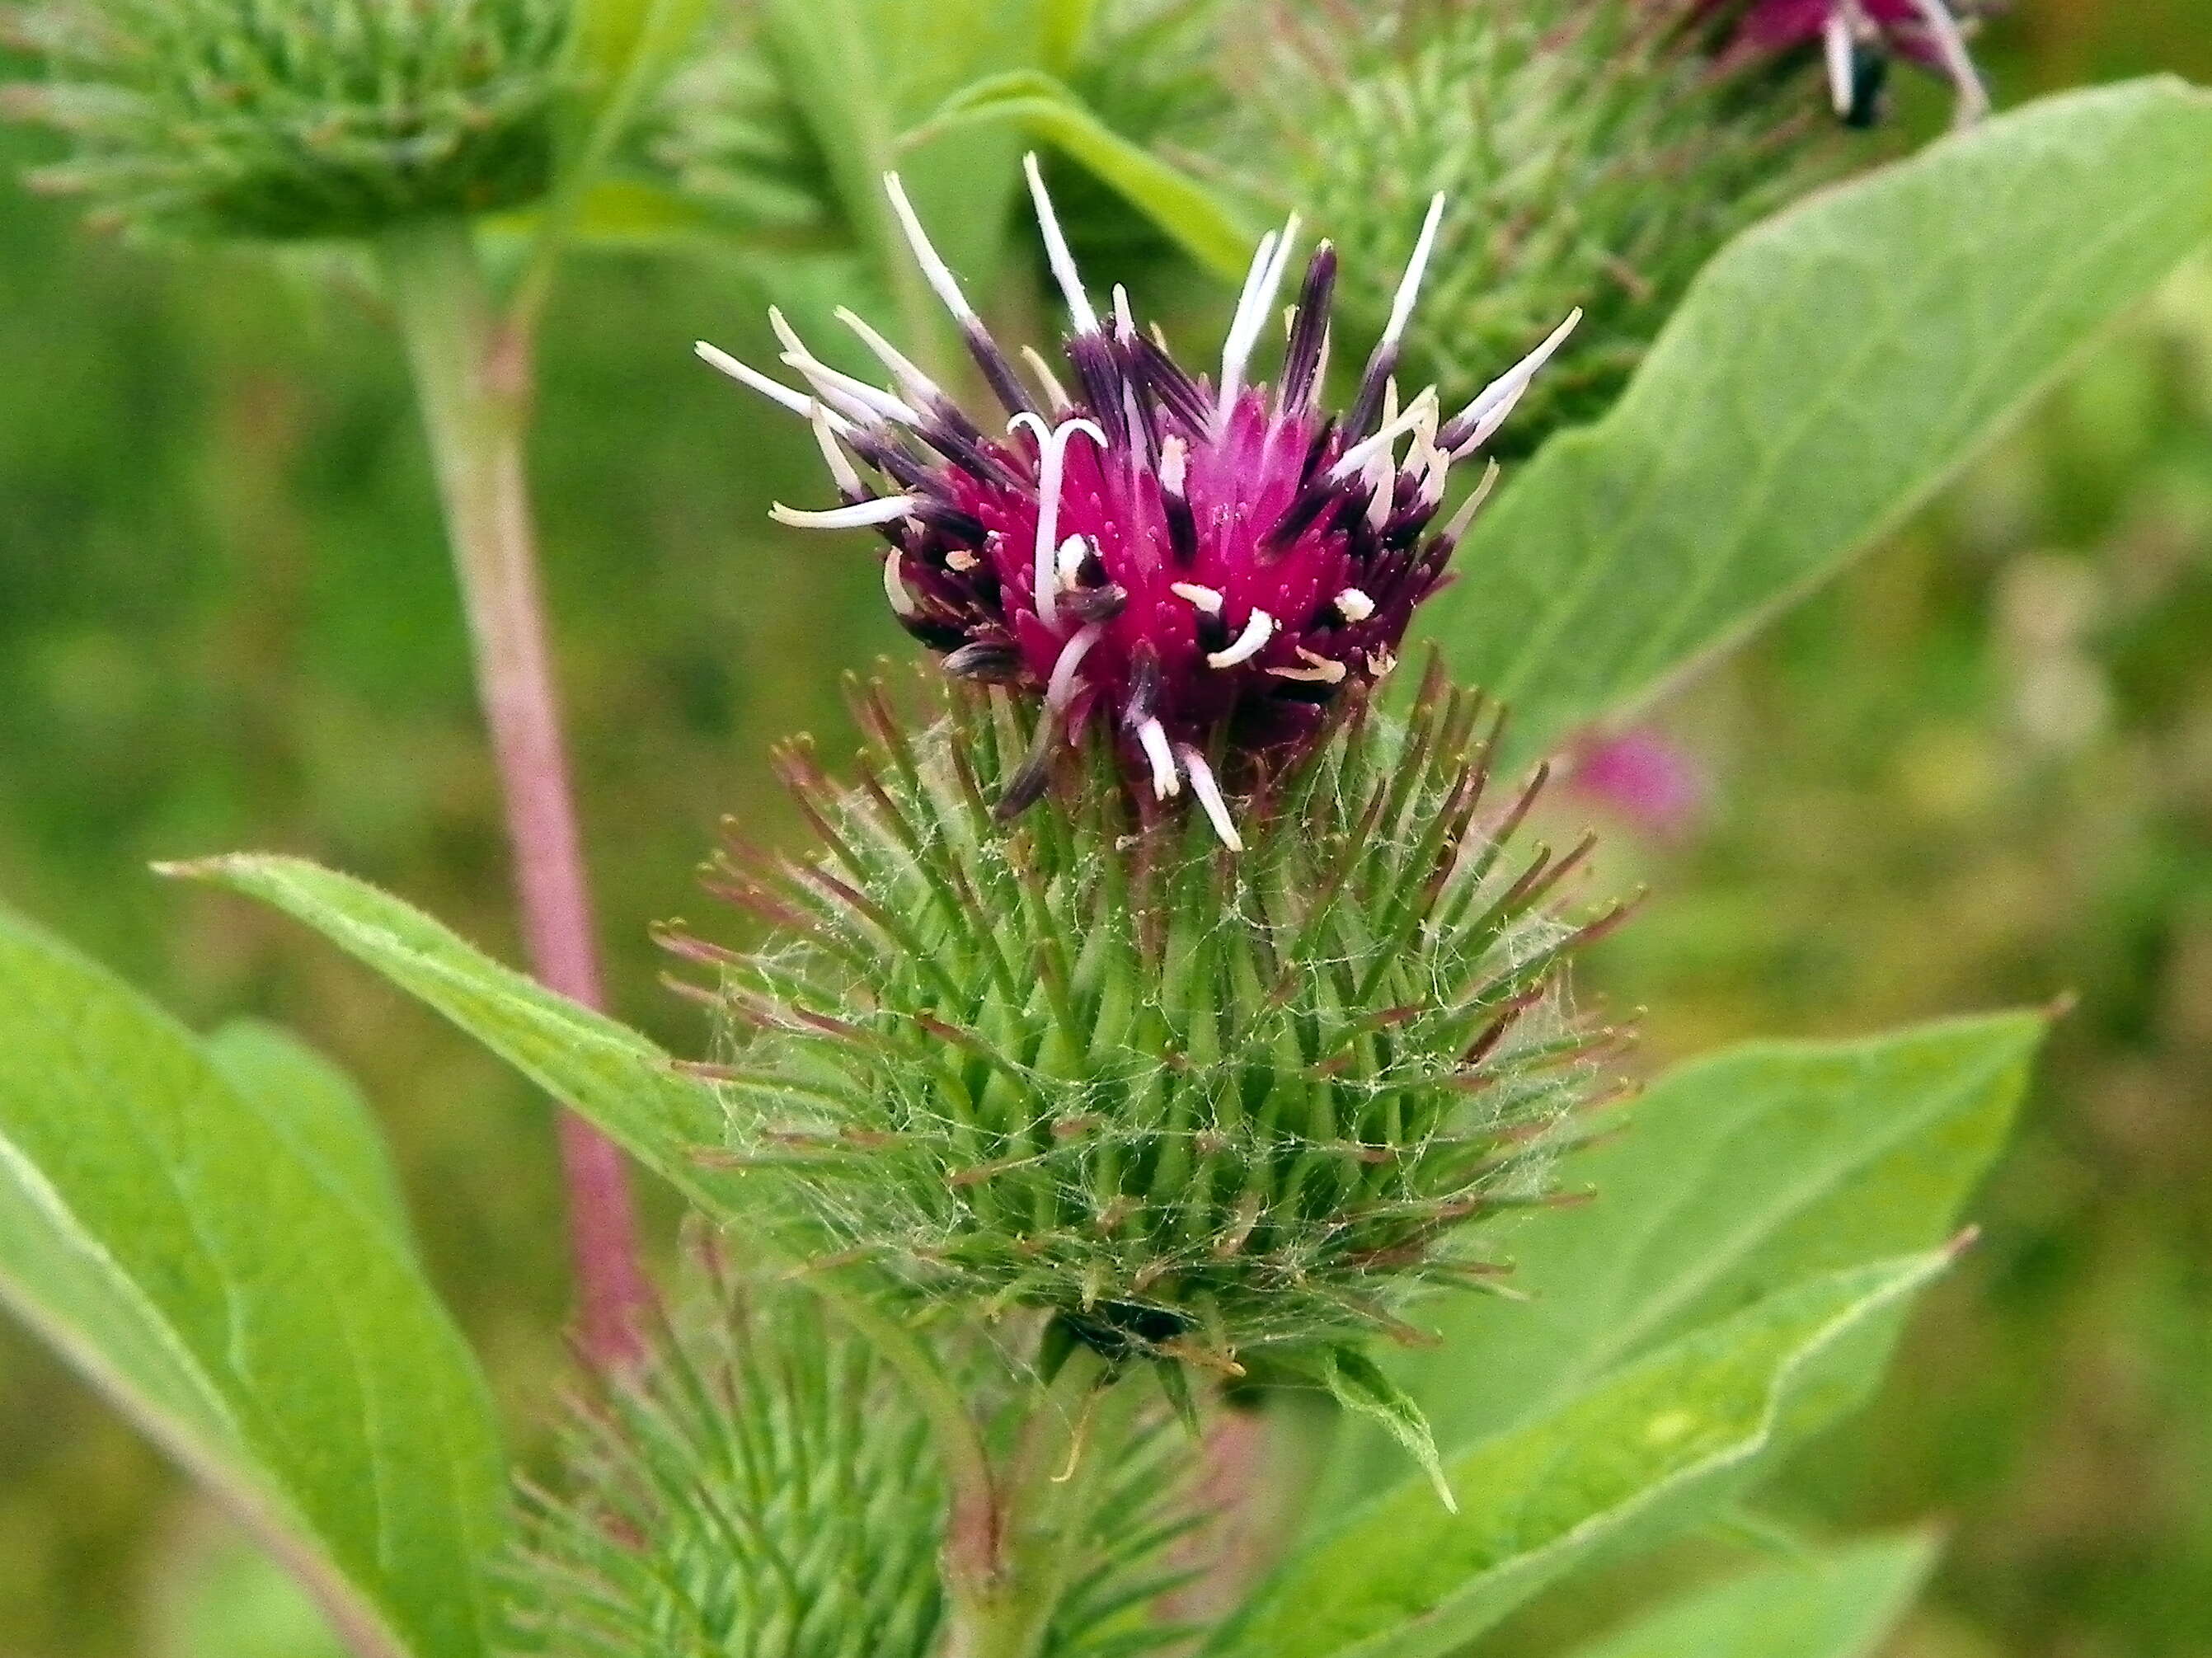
(318, 1109)
(165, 1231)
(1048, 112)
(1739, 1173)
(1838, 1603)
(1655, 1448)
(619, 1079)
(1825, 373)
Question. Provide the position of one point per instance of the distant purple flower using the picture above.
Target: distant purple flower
(1191, 559)
(1644, 778)
(1854, 35)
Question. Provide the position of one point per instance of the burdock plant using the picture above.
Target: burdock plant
(1214, 1084)
(1166, 1010)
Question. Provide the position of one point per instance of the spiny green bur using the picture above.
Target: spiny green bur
(296, 118)
(765, 1485)
(1205, 1106)
(1596, 154)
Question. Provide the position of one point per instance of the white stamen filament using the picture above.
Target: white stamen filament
(1203, 785)
(1491, 405)
(1958, 62)
(1836, 38)
(1200, 598)
(1152, 738)
(1061, 686)
(1052, 464)
(1355, 459)
(1322, 670)
(1471, 504)
(934, 270)
(884, 509)
(1070, 560)
(833, 455)
(1261, 285)
(895, 585)
(1057, 252)
(1258, 628)
(1353, 605)
(907, 372)
(774, 390)
(1055, 395)
(1409, 285)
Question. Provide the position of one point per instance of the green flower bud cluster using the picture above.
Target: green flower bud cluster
(296, 118)
(1595, 152)
(765, 1484)
(1208, 1106)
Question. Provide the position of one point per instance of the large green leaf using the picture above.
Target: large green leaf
(316, 1106)
(1658, 1446)
(1837, 1604)
(612, 1075)
(1827, 372)
(193, 1251)
(1738, 1174)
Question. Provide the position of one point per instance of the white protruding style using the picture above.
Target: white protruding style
(1060, 688)
(841, 470)
(1409, 285)
(902, 601)
(1052, 464)
(1489, 407)
(1198, 597)
(1208, 794)
(866, 402)
(1837, 44)
(1152, 738)
(938, 273)
(773, 390)
(884, 509)
(1262, 283)
(907, 372)
(1056, 394)
(1057, 252)
(1471, 506)
(1354, 459)
(1958, 62)
(1069, 561)
(1258, 628)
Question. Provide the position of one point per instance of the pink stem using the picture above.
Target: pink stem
(473, 379)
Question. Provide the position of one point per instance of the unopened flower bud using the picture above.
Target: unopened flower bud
(296, 118)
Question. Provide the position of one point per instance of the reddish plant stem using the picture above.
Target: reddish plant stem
(472, 376)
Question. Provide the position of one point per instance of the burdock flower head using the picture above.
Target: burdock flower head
(1221, 1087)
(1856, 38)
(1196, 564)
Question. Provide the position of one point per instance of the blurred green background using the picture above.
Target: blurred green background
(1976, 771)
